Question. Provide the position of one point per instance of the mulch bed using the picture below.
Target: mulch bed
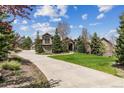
(29, 76)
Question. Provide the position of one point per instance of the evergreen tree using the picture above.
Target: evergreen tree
(97, 47)
(65, 46)
(120, 41)
(5, 39)
(57, 45)
(27, 43)
(3, 47)
(38, 44)
(80, 46)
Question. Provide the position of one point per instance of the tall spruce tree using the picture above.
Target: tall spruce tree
(97, 47)
(5, 39)
(57, 44)
(27, 43)
(38, 44)
(120, 41)
(80, 46)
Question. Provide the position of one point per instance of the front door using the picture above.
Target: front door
(70, 47)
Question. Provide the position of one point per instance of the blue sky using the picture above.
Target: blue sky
(101, 19)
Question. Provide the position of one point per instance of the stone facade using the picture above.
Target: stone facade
(47, 43)
(70, 44)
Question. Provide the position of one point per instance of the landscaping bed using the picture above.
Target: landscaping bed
(101, 63)
(21, 73)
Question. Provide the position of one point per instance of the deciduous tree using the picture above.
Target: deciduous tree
(63, 29)
(85, 40)
(15, 10)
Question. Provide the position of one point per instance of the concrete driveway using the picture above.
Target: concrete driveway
(70, 75)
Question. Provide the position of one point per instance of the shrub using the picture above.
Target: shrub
(12, 65)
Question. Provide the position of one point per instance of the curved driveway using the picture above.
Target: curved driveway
(71, 75)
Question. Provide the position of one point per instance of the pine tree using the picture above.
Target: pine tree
(27, 43)
(65, 46)
(80, 46)
(120, 41)
(57, 44)
(3, 47)
(38, 44)
(97, 47)
(5, 38)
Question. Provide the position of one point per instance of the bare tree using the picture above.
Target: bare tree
(113, 39)
(63, 29)
(15, 10)
(85, 40)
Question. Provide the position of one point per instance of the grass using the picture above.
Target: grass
(12, 65)
(101, 63)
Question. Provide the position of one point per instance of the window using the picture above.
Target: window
(47, 40)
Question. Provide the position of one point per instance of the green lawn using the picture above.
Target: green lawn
(95, 62)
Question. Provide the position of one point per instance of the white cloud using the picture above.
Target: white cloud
(71, 26)
(24, 22)
(15, 21)
(51, 11)
(100, 16)
(75, 7)
(105, 8)
(43, 27)
(84, 16)
(80, 26)
(24, 28)
(94, 24)
(55, 19)
(62, 10)
(45, 10)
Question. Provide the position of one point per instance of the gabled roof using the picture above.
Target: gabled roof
(46, 34)
(107, 41)
(69, 39)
